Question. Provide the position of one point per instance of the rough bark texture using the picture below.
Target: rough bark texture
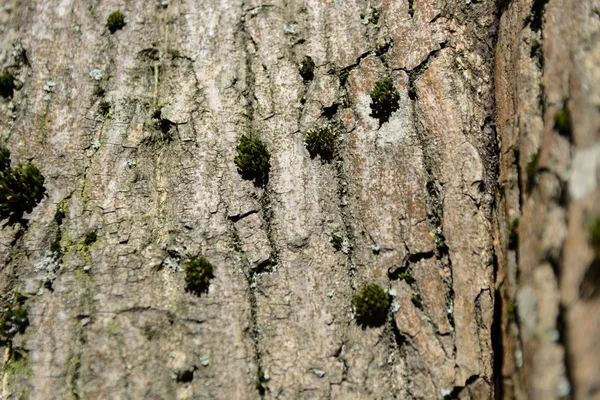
(423, 203)
(547, 58)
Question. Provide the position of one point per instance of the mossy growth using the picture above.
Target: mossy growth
(307, 69)
(343, 75)
(417, 300)
(511, 311)
(384, 100)
(440, 243)
(320, 142)
(374, 18)
(371, 305)
(513, 234)
(59, 216)
(115, 21)
(99, 91)
(536, 48)
(104, 107)
(406, 275)
(198, 273)
(261, 381)
(594, 235)
(337, 241)
(7, 84)
(61, 213)
(532, 170)
(4, 159)
(90, 238)
(14, 320)
(562, 122)
(253, 160)
(21, 188)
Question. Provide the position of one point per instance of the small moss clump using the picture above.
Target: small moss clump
(513, 234)
(162, 124)
(7, 84)
(532, 170)
(90, 238)
(253, 160)
(337, 242)
(307, 69)
(198, 273)
(14, 320)
(343, 75)
(384, 100)
(261, 381)
(371, 305)
(321, 142)
(104, 107)
(115, 21)
(4, 159)
(416, 300)
(407, 277)
(511, 311)
(562, 122)
(21, 188)
(99, 91)
(374, 18)
(594, 235)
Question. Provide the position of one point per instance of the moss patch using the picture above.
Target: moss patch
(594, 235)
(115, 21)
(15, 320)
(7, 84)
(198, 273)
(307, 69)
(21, 188)
(513, 234)
(320, 142)
(104, 107)
(371, 305)
(562, 122)
(417, 300)
(384, 100)
(532, 170)
(253, 160)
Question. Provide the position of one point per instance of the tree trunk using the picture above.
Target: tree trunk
(466, 191)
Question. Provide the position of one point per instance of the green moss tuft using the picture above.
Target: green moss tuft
(21, 189)
(4, 159)
(320, 141)
(104, 107)
(343, 75)
(371, 305)
(562, 122)
(99, 91)
(7, 84)
(14, 320)
(261, 381)
(594, 235)
(532, 170)
(384, 100)
(374, 18)
(253, 160)
(198, 273)
(511, 311)
(61, 212)
(416, 300)
(513, 234)
(337, 241)
(307, 69)
(90, 238)
(115, 21)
